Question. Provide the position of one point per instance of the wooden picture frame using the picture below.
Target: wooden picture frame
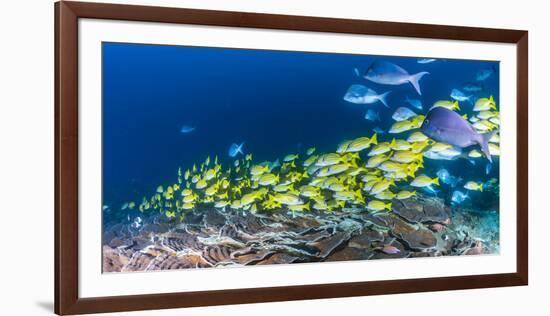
(67, 15)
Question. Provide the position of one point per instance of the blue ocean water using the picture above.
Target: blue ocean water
(275, 102)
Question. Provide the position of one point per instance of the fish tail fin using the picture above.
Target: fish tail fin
(488, 168)
(307, 206)
(240, 148)
(414, 80)
(374, 139)
(382, 98)
(358, 193)
(484, 144)
(387, 206)
(436, 181)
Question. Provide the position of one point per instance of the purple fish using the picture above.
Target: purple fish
(390, 250)
(383, 72)
(449, 127)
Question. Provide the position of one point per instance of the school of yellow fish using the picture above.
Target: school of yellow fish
(362, 173)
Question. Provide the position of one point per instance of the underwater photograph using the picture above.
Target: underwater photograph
(225, 157)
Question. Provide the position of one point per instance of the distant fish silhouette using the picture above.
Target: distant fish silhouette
(426, 60)
(460, 96)
(372, 115)
(472, 87)
(378, 130)
(235, 149)
(485, 73)
(186, 129)
(415, 103)
(458, 197)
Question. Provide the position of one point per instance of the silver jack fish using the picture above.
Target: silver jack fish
(360, 94)
(383, 72)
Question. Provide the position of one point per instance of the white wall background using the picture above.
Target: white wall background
(26, 155)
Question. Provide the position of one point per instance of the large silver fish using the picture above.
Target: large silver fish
(360, 94)
(446, 126)
(383, 72)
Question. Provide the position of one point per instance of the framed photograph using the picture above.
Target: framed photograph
(210, 157)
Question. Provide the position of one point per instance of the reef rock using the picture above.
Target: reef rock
(350, 253)
(181, 240)
(416, 227)
(138, 262)
(330, 244)
(215, 254)
(422, 210)
(366, 239)
(170, 261)
(113, 260)
(415, 237)
(252, 258)
(278, 258)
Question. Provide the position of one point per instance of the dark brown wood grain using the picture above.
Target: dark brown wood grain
(522, 157)
(66, 159)
(67, 299)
